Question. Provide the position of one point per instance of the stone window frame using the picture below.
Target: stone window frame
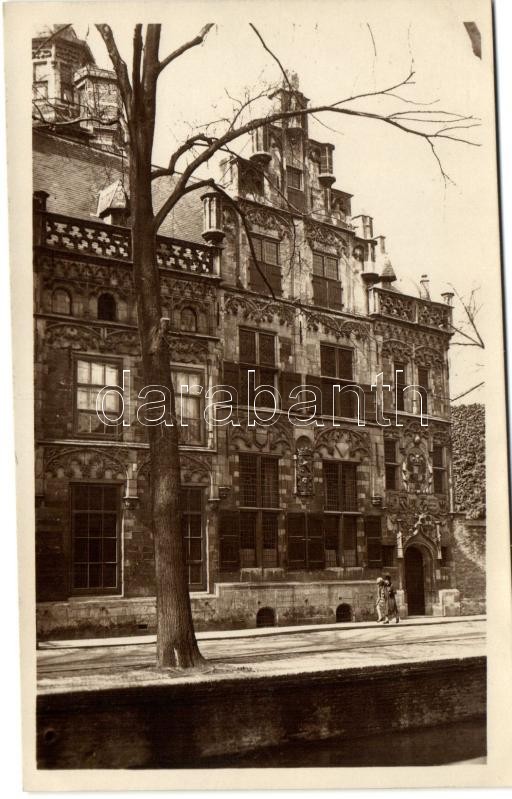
(270, 268)
(192, 369)
(332, 287)
(73, 512)
(391, 464)
(259, 367)
(329, 380)
(188, 511)
(110, 431)
(439, 470)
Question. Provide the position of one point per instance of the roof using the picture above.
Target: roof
(73, 174)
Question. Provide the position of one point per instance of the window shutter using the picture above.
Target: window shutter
(296, 528)
(231, 376)
(316, 542)
(373, 530)
(287, 382)
(349, 486)
(229, 540)
(315, 383)
(370, 405)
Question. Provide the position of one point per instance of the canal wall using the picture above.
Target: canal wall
(186, 723)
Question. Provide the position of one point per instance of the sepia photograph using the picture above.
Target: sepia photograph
(259, 394)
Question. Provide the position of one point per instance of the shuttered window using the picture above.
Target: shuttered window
(373, 532)
(391, 463)
(267, 259)
(340, 485)
(327, 288)
(337, 368)
(399, 385)
(257, 352)
(306, 541)
(192, 530)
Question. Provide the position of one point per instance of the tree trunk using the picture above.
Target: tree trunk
(176, 642)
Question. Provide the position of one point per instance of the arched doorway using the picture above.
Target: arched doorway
(415, 582)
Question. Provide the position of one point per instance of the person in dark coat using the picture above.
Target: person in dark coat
(392, 606)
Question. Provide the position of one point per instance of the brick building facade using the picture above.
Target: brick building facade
(283, 524)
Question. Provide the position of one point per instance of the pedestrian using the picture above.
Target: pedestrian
(382, 602)
(392, 606)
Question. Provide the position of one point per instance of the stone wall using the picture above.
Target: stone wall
(468, 562)
(468, 440)
(187, 724)
(232, 606)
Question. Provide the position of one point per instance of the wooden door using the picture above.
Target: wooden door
(414, 582)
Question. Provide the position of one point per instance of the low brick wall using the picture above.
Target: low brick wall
(174, 725)
(232, 606)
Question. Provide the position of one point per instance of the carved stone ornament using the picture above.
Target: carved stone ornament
(394, 304)
(63, 335)
(259, 216)
(428, 356)
(322, 235)
(182, 290)
(82, 273)
(337, 326)
(304, 468)
(433, 315)
(187, 350)
(274, 438)
(122, 342)
(344, 443)
(397, 350)
(259, 310)
(436, 340)
(416, 468)
(85, 463)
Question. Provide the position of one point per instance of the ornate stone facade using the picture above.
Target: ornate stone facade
(293, 502)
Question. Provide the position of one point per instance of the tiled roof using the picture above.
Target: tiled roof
(73, 174)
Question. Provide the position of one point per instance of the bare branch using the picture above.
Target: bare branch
(465, 393)
(199, 39)
(120, 67)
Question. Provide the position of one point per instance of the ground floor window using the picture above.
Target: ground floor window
(192, 528)
(95, 538)
(340, 540)
(248, 539)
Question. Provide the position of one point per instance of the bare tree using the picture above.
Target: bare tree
(176, 643)
(466, 331)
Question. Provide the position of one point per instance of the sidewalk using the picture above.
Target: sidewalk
(216, 635)
(118, 663)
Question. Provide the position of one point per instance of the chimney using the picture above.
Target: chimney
(424, 287)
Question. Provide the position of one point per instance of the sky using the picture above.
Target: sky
(339, 49)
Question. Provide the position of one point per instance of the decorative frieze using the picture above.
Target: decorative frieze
(323, 236)
(266, 218)
(85, 463)
(338, 326)
(256, 310)
(343, 442)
